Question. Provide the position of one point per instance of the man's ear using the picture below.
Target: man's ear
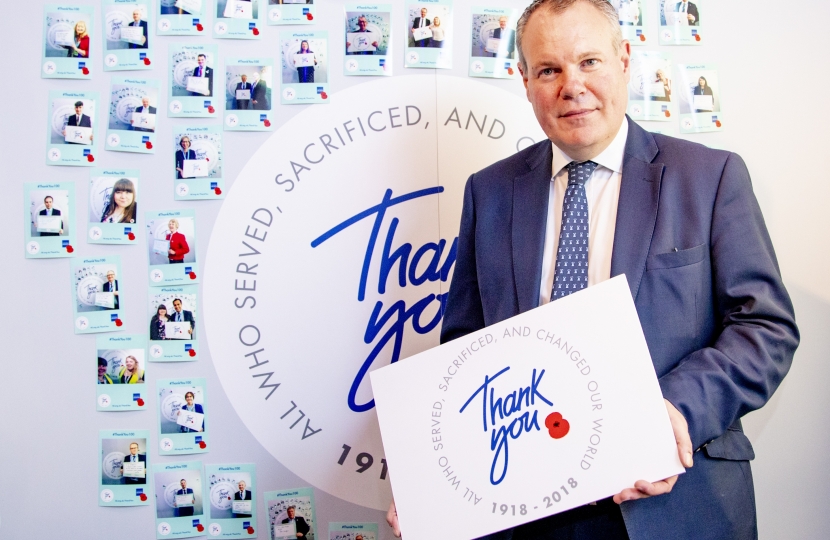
(625, 58)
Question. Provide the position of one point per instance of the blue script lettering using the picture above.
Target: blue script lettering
(502, 408)
(397, 315)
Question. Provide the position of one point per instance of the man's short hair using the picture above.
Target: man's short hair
(558, 6)
(179, 300)
(133, 443)
(48, 197)
(292, 507)
(79, 103)
(201, 55)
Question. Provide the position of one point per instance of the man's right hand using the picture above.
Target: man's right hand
(392, 519)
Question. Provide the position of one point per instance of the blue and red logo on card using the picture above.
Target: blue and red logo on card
(114, 317)
(81, 65)
(246, 524)
(664, 108)
(207, 104)
(694, 31)
(142, 56)
(306, 11)
(139, 491)
(263, 117)
(87, 151)
(195, 522)
(214, 185)
(187, 346)
(251, 25)
(382, 62)
(319, 89)
(197, 438)
(64, 243)
(128, 230)
(145, 138)
(188, 269)
(195, 22)
(714, 119)
(507, 65)
(639, 32)
(136, 397)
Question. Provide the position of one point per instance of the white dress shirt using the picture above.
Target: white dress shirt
(603, 193)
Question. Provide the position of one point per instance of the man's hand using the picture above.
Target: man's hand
(392, 520)
(642, 488)
(690, 17)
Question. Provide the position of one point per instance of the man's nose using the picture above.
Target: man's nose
(573, 83)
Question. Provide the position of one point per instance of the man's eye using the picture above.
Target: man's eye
(591, 62)
(547, 71)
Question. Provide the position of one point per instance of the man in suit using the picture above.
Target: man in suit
(260, 94)
(680, 221)
(49, 211)
(79, 119)
(201, 70)
(302, 527)
(684, 6)
(244, 85)
(180, 315)
(134, 456)
(509, 37)
(185, 510)
(421, 22)
(146, 109)
(242, 495)
(137, 22)
(111, 285)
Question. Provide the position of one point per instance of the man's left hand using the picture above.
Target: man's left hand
(642, 488)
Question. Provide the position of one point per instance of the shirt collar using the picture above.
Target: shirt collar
(611, 158)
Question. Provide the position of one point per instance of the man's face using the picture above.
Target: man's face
(189, 399)
(110, 276)
(244, 78)
(502, 23)
(136, 15)
(361, 23)
(423, 12)
(47, 202)
(145, 102)
(201, 60)
(133, 449)
(241, 485)
(177, 306)
(290, 513)
(574, 79)
(183, 483)
(79, 109)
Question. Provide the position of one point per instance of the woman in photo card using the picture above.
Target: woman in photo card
(703, 89)
(185, 153)
(122, 207)
(157, 323)
(437, 33)
(103, 378)
(191, 407)
(178, 243)
(81, 47)
(131, 372)
(306, 73)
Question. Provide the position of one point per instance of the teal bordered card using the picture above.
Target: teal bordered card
(429, 34)
(122, 478)
(291, 512)
(183, 412)
(182, 17)
(493, 51)
(233, 501)
(238, 19)
(67, 36)
(190, 87)
(680, 22)
(113, 207)
(96, 294)
(353, 531)
(198, 163)
(650, 87)
(249, 83)
(368, 43)
(180, 499)
(122, 373)
(49, 210)
(127, 41)
(305, 67)
(700, 99)
(172, 315)
(133, 118)
(70, 128)
(171, 247)
(291, 12)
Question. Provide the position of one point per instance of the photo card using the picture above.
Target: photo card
(700, 98)
(133, 115)
(353, 531)
(633, 16)
(171, 247)
(680, 22)
(122, 480)
(493, 52)
(183, 412)
(67, 35)
(429, 31)
(128, 45)
(182, 17)
(291, 513)
(122, 373)
(198, 163)
(190, 87)
(49, 209)
(291, 12)
(112, 217)
(233, 500)
(368, 44)
(650, 87)
(238, 19)
(70, 128)
(304, 59)
(172, 322)
(96, 294)
(180, 498)
(248, 94)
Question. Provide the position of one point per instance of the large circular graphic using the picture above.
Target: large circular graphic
(332, 255)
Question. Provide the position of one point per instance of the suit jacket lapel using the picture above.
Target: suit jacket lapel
(530, 208)
(637, 207)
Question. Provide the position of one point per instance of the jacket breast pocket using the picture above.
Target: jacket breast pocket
(676, 259)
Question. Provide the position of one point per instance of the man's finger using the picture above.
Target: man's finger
(392, 519)
(643, 489)
(681, 435)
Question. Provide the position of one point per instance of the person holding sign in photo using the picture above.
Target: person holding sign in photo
(131, 372)
(302, 527)
(242, 495)
(134, 457)
(180, 315)
(111, 286)
(201, 70)
(185, 510)
(158, 322)
(662, 78)
(684, 6)
(361, 29)
(79, 119)
(242, 104)
(703, 89)
(306, 73)
(191, 407)
(49, 211)
(81, 47)
(122, 207)
(184, 154)
(506, 35)
(138, 23)
(144, 108)
(418, 26)
(178, 243)
(103, 378)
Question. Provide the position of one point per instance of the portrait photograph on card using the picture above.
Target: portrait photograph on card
(291, 513)
(429, 27)
(171, 247)
(121, 373)
(650, 87)
(70, 128)
(248, 86)
(233, 503)
(633, 16)
(182, 17)
(680, 22)
(190, 82)
(171, 317)
(133, 115)
(368, 40)
(304, 67)
(122, 478)
(113, 206)
(198, 163)
(700, 99)
(183, 412)
(353, 531)
(49, 210)
(238, 19)
(96, 294)
(127, 39)
(493, 51)
(180, 500)
(293, 12)
(67, 34)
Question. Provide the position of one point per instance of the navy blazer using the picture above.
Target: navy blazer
(143, 26)
(72, 120)
(719, 323)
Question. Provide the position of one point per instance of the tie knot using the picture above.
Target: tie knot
(579, 173)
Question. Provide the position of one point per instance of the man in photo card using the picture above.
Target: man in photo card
(242, 495)
(260, 94)
(138, 23)
(202, 71)
(507, 39)
(180, 315)
(242, 94)
(111, 286)
(79, 119)
(420, 27)
(185, 499)
(49, 211)
(298, 521)
(143, 110)
(361, 29)
(134, 466)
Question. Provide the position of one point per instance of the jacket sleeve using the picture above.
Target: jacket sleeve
(181, 246)
(746, 362)
(464, 313)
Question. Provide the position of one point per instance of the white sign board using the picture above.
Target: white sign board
(360, 41)
(677, 18)
(195, 168)
(133, 469)
(177, 330)
(238, 9)
(568, 388)
(422, 33)
(243, 94)
(198, 85)
(184, 500)
(285, 530)
(65, 37)
(194, 7)
(241, 507)
(704, 103)
(49, 224)
(303, 60)
(105, 300)
(78, 135)
(189, 419)
(144, 121)
(132, 34)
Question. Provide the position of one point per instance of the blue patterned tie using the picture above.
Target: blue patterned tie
(571, 272)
